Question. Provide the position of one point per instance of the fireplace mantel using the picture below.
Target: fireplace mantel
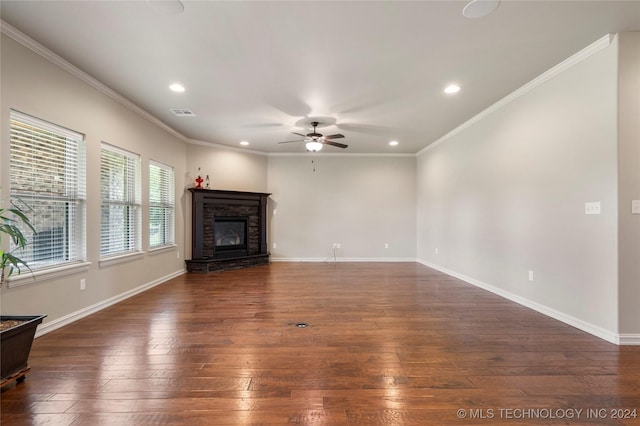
(209, 204)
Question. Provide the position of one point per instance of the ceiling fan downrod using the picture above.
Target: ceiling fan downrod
(314, 134)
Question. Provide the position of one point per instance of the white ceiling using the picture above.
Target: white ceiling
(373, 71)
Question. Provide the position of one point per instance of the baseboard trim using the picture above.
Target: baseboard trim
(92, 309)
(343, 259)
(629, 339)
(618, 339)
(545, 310)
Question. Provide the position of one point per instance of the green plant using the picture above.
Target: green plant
(9, 220)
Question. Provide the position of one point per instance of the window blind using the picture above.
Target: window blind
(48, 182)
(120, 209)
(161, 205)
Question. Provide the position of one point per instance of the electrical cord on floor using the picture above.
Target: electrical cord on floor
(333, 259)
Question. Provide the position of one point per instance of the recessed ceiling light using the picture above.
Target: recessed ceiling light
(393, 143)
(177, 87)
(452, 88)
(480, 8)
(245, 143)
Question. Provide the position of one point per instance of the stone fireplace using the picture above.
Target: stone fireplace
(229, 230)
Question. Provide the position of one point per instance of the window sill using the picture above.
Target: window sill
(162, 249)
(41, 275)
(114, 260)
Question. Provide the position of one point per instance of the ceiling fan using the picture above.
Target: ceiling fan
(316, 140)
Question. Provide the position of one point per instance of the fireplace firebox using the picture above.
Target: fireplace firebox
(230, 236)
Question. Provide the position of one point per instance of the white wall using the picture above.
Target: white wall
(506, 195)
(36, 86)
(629, 181)
(229, 170)
(361, 202)
(497, 199)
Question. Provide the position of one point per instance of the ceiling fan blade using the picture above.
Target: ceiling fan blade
(336, 136)
(338, 144)
(299, 140)
(299, 134)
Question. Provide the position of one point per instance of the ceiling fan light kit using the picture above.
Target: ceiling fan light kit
(313, 146)
(315, 141)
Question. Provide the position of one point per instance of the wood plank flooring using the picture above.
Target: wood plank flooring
(386, 344)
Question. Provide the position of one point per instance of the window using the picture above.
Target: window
(120, 209)
(48, 181)
(161, 205)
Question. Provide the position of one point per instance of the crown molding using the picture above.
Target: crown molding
(56, 59)
(574, 59)
(337, 154)
(226, 147)
(294, 154)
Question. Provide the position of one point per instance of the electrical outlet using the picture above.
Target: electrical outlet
(437, 251)
(337, 245)
(635, 206)
(177, 255)
(386, 245)
(530, 275)
(83, 284)
(274, 211)
(275, 245)
(592, 207)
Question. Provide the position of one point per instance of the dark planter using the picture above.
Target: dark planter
(15, 345)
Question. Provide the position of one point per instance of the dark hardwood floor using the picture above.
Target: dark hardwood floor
(386, 344)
